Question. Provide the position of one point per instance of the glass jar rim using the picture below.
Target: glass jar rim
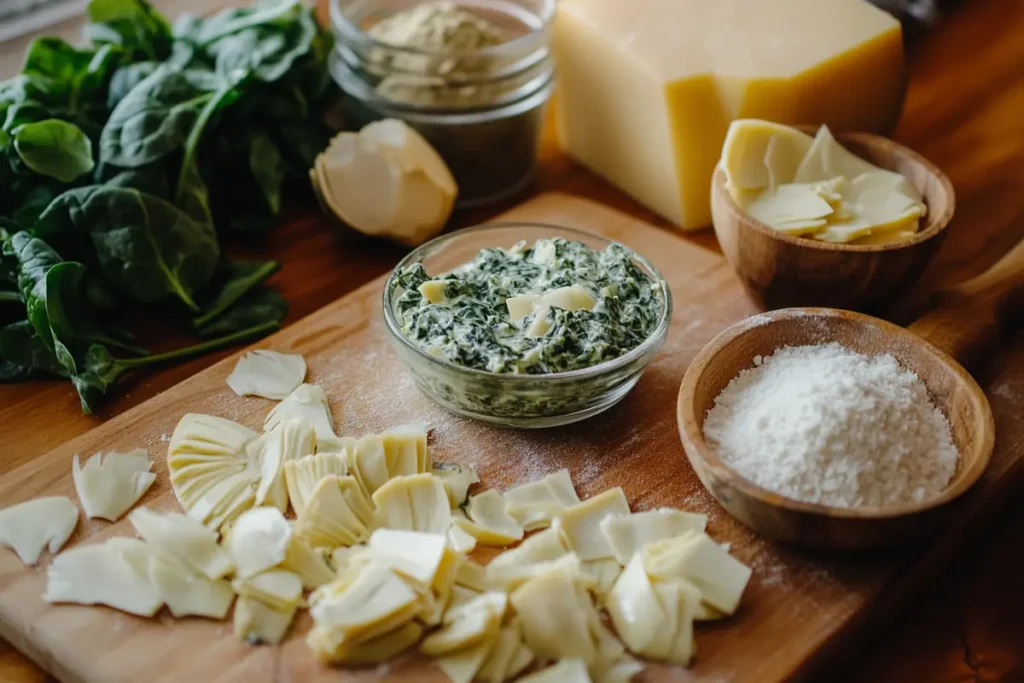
(652, 341)
(347, 28)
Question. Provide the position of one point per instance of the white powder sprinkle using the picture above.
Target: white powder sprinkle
(828, 425)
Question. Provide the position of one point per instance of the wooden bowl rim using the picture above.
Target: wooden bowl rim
(933, 224)
(696, 446)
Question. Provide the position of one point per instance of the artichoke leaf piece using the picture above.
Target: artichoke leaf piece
(458, 479)
(267, 373)
(760, 154)
(189, 594)
(309, 402)
(468, 625)
(289, 440)
(564, 671)
(554, 612)
(413, 554)
(535, 504)
(114, 573)
(27, 528)
(257, 623)
(459, 539)
(540, 547)
(184, 540)
(302, 476)
(416, 502)
(278, 589)
(636, 612)
(489, 521)
(108, 486)
(628, 535)
(697, 559)
(462, 666)
(337, 514)
(581, 524)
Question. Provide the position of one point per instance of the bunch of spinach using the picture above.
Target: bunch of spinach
(125, 162)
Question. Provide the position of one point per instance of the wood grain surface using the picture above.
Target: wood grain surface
(963, 112)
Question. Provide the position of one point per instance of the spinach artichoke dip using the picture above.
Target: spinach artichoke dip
(556, 306)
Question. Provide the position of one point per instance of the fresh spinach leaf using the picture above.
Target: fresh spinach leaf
(54, 148)
(98, 369)
(267, 167)
(35, 259)
(256, 307)
(24, 355)
(159, 114)
(33, 204)
(69, 313)
(233, 20)
(126, 78)
(233, 281)
(146, 246)
(131, 24)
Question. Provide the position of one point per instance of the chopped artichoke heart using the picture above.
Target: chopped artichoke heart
(184, 540)
(508, 577)
(110, 485)
(413, 554)
(633, 605)
(310, 566)
(434, 291)
(376, 596)
(553, 610)
(309, 402)
(278, 589)
(268, 374)
(256, 622)
(464, 665)
(628, 535)
(541, 547)
(188, 594)
(336, 514)
(487, 513)
(535, 504)
(563, 671)
(467, 625)
(258, 540)
(301, 476)
(497, 668)
(602, 574)
(289, 440)
(695, 558)
(417, 502)
(581, 524)
(458, 479)
(459, 539)
(27, 528)
(114, 573)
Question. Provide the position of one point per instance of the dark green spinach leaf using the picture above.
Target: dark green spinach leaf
(233, 281)
(25, 355)
(131, 24)
(54, 148)
(258, 306)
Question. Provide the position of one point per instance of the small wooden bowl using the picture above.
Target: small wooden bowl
(780, 270)
(956, 394)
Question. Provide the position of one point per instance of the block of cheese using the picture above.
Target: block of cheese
(647, 88)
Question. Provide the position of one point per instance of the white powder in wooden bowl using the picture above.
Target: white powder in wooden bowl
(825, 424)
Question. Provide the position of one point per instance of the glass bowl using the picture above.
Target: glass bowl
(519, 400)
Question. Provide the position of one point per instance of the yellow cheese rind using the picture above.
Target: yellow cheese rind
(647, 90)
(27, 528)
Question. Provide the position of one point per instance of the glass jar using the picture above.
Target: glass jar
(482, 109)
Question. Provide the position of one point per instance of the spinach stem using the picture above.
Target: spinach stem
(198, 349)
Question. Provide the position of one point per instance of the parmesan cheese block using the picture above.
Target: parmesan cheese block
(29, 527)
(647, 89)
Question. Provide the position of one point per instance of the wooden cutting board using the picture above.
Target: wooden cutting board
(797, 608)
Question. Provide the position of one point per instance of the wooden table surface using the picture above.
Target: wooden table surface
(965, 112)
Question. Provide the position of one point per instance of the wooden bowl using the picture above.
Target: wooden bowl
(956, 394)
(780, 270)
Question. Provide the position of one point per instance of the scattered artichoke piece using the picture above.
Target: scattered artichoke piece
(267, 373)
(310, 566)
(27, 528)
(417, 502)
(472, 575)
(387, 181)
(289, 440)
(533, 505)
(695, 558)
(581, 523)
(459, 539)
(258, 623)
(401, 451)
(760, 154)
(458, 479)
(564, 671)
(463, 627)
(628, 535)
(509, 656)
(413, 554)
(462, 666)
(258, 540)
(189, 594)
(434, 291)
(636, 612)
(621, 671)
(278, 589)
(108, 486)
(602, 574)
(540, 547)
(184, 540)
(301, 476)
(309, 402)
(114, 573)
(383, 647)
(554, 610)
(488, 521)
(338, 513)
